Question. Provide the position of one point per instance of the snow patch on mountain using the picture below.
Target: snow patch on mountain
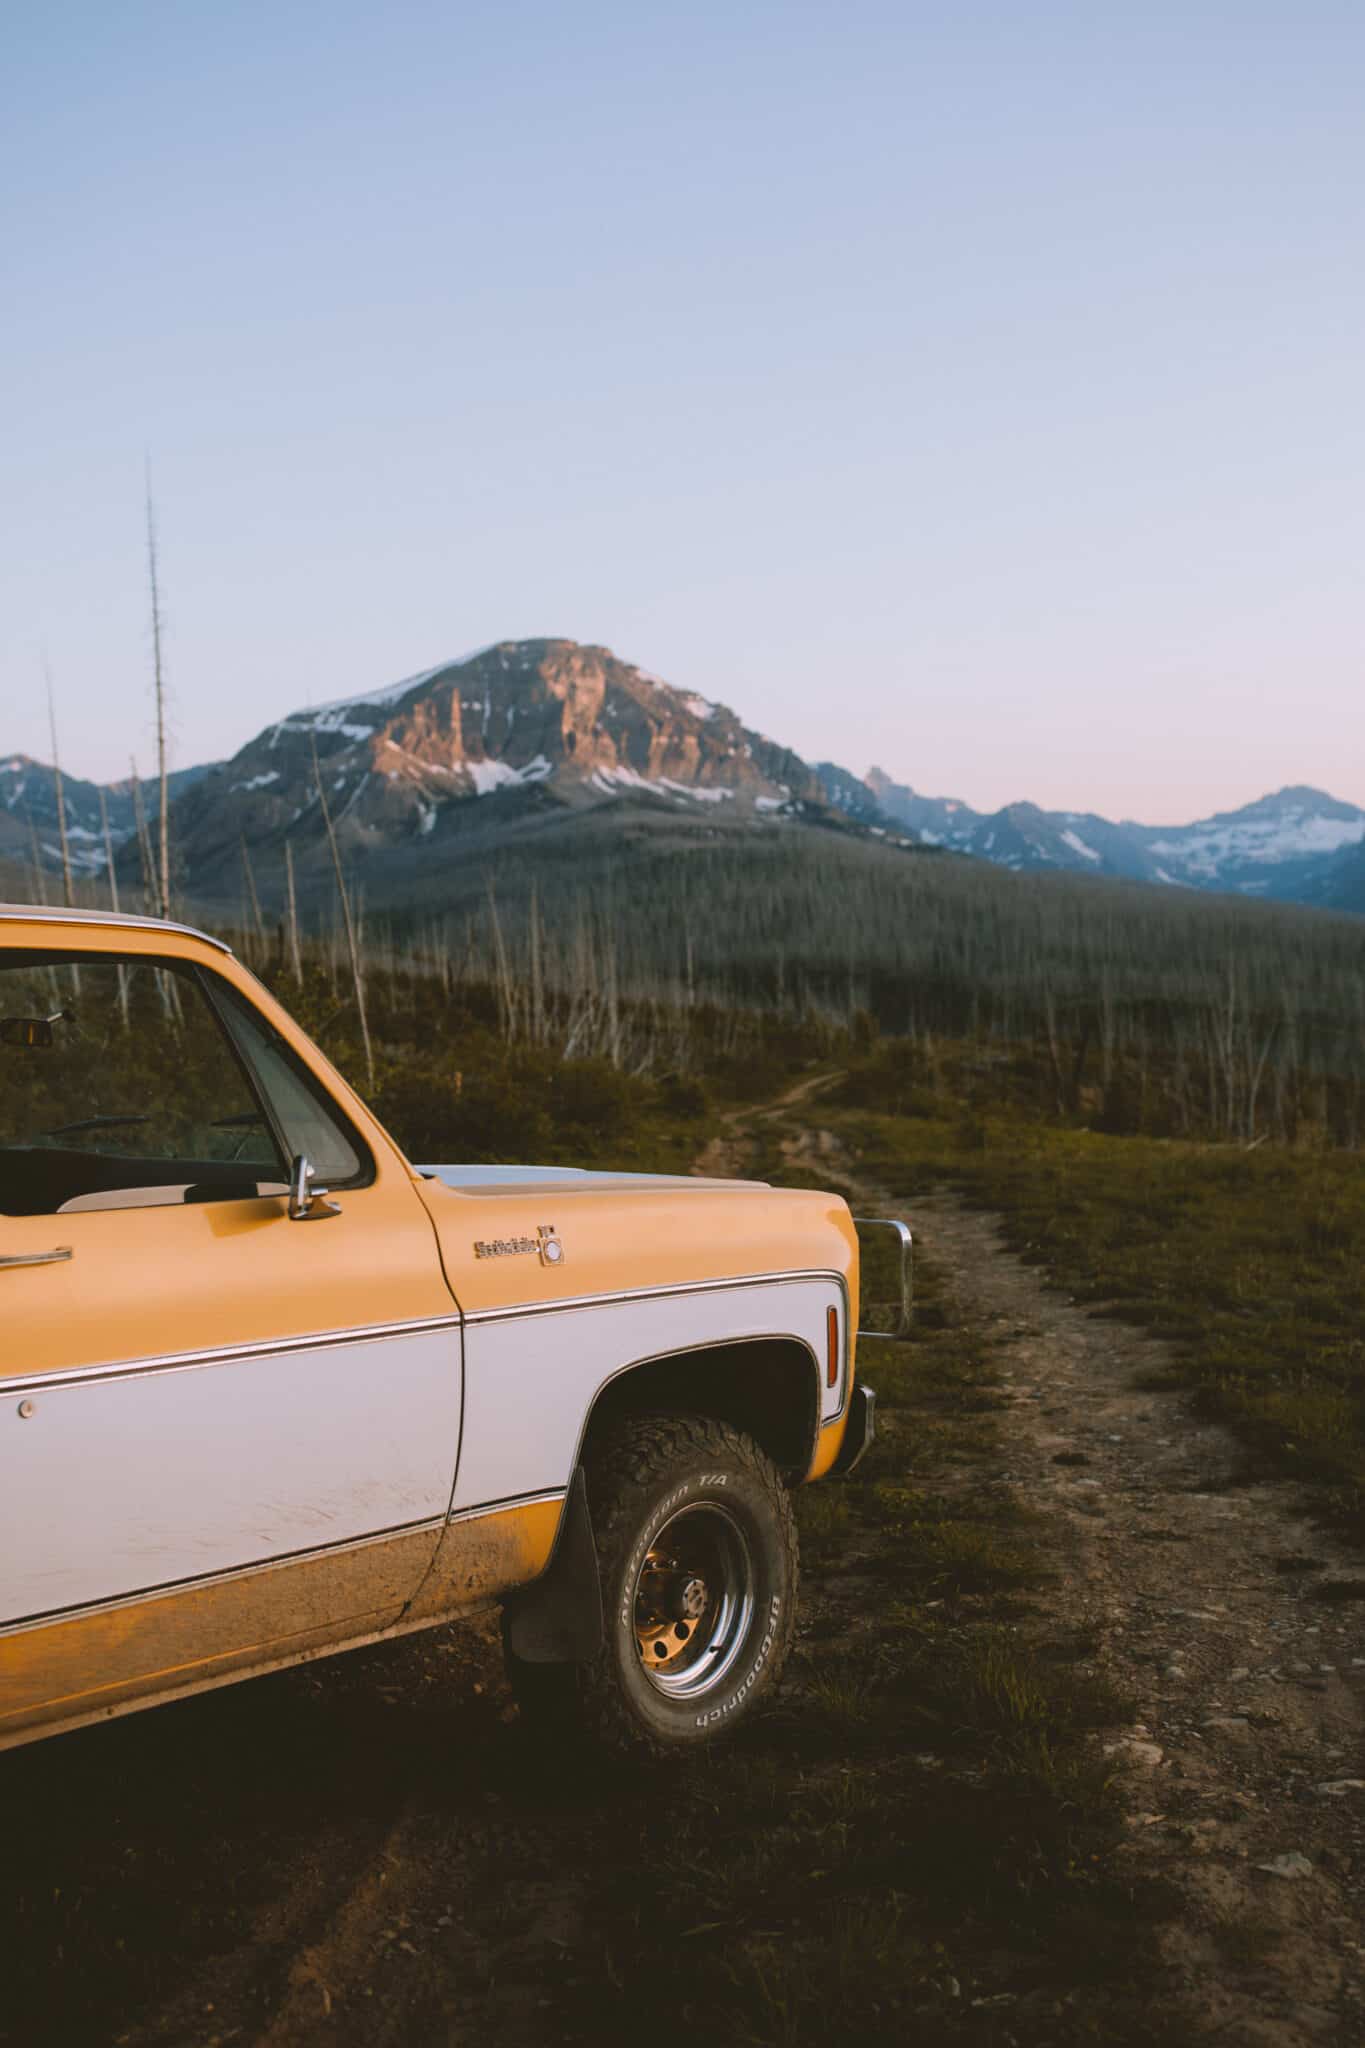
(611, 781)
(1206, 850)
(390, 694)
(487, 776)
(322, 721)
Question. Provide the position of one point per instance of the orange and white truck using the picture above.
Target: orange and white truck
(268, 1391)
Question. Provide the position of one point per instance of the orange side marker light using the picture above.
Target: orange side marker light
(832, 1347)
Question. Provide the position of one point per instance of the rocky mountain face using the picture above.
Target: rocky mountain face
(527, 735)
(547, 718)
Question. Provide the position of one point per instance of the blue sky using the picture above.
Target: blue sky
(975, 390)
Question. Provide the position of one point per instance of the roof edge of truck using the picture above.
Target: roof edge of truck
(46, 913)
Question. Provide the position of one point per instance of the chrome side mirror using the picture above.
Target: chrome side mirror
(308, 1203)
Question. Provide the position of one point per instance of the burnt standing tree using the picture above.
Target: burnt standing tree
(59, 791)
(163, 868)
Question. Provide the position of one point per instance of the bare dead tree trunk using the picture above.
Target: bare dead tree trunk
(351, 945)
(63, 841)
(252, 897)
(1257, 1075)
(144, 840)
(292, 916)
(1087, 1023)
(163, 874)
(613, 1000)
(1054, 1049)
(108, 850)
(507, 994)
(111, 872)
(536, 972)
(39, 885)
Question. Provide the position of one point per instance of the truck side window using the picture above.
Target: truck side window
(119, 1089)
(311, 1123)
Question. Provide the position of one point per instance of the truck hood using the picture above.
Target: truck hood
(619, 1233)
(487, 1179)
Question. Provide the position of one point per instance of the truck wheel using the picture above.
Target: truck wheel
(697, 1552)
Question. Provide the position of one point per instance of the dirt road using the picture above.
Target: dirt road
(1234, 1625)
(372, 1852)
(1233, 1622)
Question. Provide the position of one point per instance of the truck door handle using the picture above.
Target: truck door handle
(55, 1257)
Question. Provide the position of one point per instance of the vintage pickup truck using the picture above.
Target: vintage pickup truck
(229, 1443)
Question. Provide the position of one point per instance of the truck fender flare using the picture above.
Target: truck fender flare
(557, 1619)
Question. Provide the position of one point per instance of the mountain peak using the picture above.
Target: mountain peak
(1297, 796)
(546, 718)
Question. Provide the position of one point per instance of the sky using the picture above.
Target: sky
(975, 390)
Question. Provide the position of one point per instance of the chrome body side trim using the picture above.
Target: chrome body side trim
(116, 920)
(628, 1294)
(499, 1507)
(193, 1361)
(189, 1361)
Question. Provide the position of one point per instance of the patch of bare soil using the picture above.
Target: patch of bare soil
(1233, 1623)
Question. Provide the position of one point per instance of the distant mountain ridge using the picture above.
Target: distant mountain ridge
(28, 812)
(528, 735)
(1296, 845)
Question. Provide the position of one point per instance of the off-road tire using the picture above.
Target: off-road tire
(710, 1494)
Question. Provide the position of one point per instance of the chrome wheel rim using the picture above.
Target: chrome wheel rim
(693, 1601)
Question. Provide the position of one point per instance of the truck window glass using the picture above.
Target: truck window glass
(310, 1123)
(119, 1089)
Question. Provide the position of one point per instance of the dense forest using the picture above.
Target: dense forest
(1125, 1007)
(723, 961)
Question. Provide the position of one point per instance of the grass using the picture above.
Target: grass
(1251, 1265)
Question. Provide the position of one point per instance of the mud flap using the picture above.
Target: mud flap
(558, 1618)
(859, 1432)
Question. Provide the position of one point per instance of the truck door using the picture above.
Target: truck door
(224, 1434)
